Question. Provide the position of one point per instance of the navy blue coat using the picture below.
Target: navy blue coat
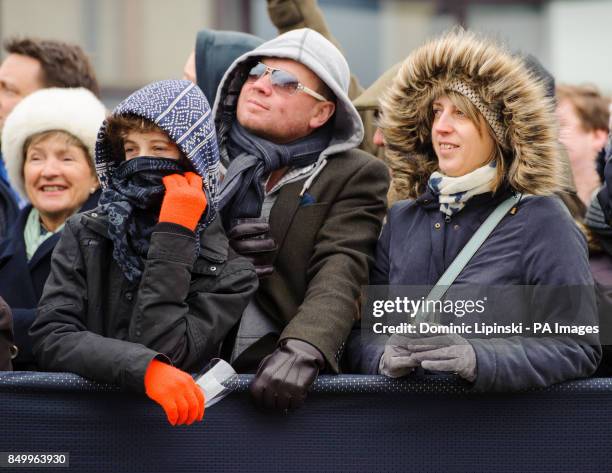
(8, 208)
(538, 246)
(22, 281)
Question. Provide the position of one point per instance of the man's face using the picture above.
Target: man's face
(276, 115)
(19, 77)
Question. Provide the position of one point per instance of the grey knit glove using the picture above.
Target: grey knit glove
(396, 360)
(451, 353)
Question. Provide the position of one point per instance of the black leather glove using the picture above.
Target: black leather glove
(283, 377)
(250, 237)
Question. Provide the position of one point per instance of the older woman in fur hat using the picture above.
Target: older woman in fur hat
(48, 143)
(478, 130)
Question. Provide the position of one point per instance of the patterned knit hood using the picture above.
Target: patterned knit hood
(503, 83)
(180, 109)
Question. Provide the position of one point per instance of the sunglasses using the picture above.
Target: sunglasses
(282, 81)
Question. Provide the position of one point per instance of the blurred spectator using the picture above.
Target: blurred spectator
(48, 141)
(213, 54)
(33, 64)
(583, 129)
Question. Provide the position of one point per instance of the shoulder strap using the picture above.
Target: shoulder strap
(465, 255)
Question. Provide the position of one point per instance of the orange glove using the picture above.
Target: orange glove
(184, 201)
(176, 392)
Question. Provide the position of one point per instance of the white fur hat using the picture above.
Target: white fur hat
(74, 110)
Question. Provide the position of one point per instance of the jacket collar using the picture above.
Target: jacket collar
(44, 249)
(429, 201)
(14, 243)
(214, 244)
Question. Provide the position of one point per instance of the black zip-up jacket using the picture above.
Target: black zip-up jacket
(94, 322)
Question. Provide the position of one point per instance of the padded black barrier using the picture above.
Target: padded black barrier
(349, 423)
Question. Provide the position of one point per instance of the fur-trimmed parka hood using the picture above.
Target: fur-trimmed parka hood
(501, 80)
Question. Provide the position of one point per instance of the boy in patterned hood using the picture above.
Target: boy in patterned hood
(144, 288)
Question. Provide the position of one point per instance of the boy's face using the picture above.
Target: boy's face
(152, 143)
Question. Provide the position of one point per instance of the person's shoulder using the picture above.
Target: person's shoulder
(545, 207)
(358, 157)
(356, 162)
(401, 207)
(547, 217)
(401, 214)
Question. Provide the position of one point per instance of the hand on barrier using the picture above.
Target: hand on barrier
(184, 201)
(176, 392)
(396, 360)
(283, 377)
(451, 353)
(250, 237)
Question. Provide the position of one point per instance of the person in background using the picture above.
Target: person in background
(213, 54)
(479, 130)
(583, 116)
(48, 143)
(32, 64)
(144, 288)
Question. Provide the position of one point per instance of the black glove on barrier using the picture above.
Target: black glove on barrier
(250, 237)
(284, 376)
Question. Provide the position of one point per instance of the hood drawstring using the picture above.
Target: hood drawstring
(320, 166)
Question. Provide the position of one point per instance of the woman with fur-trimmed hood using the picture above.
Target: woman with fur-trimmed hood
(478, 128)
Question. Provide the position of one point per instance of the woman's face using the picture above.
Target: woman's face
(58, 179)
(152, 143)
(457, 141)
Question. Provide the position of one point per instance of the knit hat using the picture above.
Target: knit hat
(76, 111)
(510, 97)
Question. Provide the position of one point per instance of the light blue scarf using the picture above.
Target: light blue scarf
(34, 234)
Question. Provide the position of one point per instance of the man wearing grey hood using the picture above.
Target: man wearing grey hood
(302, 203)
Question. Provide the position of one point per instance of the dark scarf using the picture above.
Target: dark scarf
(132, 201)
(252, 159)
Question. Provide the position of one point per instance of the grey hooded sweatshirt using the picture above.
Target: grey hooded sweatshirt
(310, 48)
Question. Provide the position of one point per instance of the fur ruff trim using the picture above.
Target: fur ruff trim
(73, 110)
(501, 80)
